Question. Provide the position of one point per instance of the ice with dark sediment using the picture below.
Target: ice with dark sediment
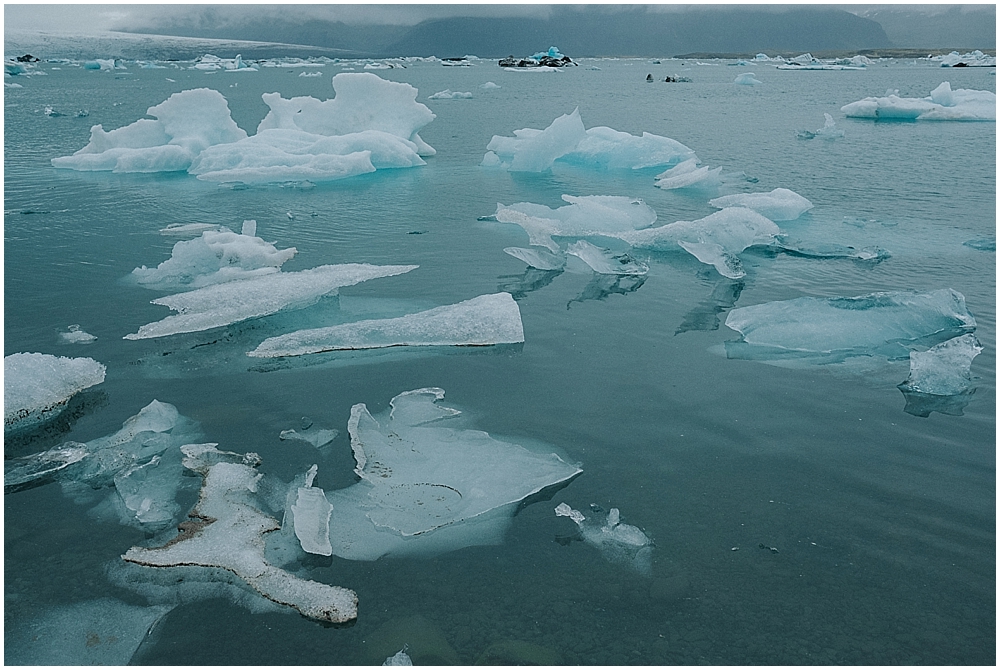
(826, 330)
(215, 257)
(427, 487)
(943, 104)
(227, 531)
(37, 387)
(584, 215)
(566, 141)
(620, 543)
(487, 320)
(222, 304)
(606, 262)
(945, 368)
(781, 204)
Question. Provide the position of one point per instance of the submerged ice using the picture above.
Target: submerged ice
(944, 369)
(620, 542)
(37, 387)
(943, 104)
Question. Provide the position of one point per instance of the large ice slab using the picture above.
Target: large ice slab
(37, 387)
(217, 256)
(833, 329)
(426, 488)
(227, 531)
(943, 104)
(223, 304)
(781, 204)
(944, 369)
(620, 543)
(584, 215)
(483, 321)
(567, 141)
(185, 124)
(310, 515)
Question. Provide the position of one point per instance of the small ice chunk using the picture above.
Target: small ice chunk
(620, 542)
(606, 262)
(222, 304)
(781, 204)
(747, 79)
(399, 658)
(37, 387)
(190, 229)
(316, 436)
(486, 320)
(539, 258)
(687, 174)
(448, 94)
(74, 335)
(489, 86)
(944, 369)
(829, 131)
(311, 517)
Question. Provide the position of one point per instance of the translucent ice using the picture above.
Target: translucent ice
(605, 262)
(426, 488)
(687, 174)
(566, 140)
(227, 531)
(781, 204)
(486, 320)
(585, 215)
(399, 658)
(944, 369)
(747, 79)
(216, 257)
(311, 517)
(619, 542)
(223, 304)
(538, 258)
(943, 104)
(829, 131)
(832, 329)
(37, 387)
(314, 435)
(448, 94)
(74, 335)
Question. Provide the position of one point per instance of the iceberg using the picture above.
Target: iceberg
(620, 542)
(944, 369)
(584, 215)
(826, 330)
(687, 174)
(566, 141)
(943, 104)
(489, 86)
(226, 531)
(74, 335)
(222, 304)
(747, 79)
(448, 94)
(37, 387)
(781, 204)
(217, 256)
(972, 59)
(483, 321)
(426, 488)
(829, 131)
(605, 262)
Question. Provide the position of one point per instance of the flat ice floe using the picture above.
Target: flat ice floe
(222, 304)
(427, 488)
(217, 256)
(620, 542)
(825, 330)
(781, 204)
(944, 369)
(486, 320)
(567, 141)
(943, 104)
(37, 387)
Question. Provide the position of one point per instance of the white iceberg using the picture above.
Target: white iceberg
(584, 215)
(74, 335)
(781, 204)
(427, 488)
(217, 256)
(687, 174)
(37, 387)
(489, 86)
(943, 104)
(747, 79)
(829, 131)
(222, 304)
(448, 94)
(566, 141)
(605, 262)
(483, 321)
(972, 59)
(832, 329)
(944, 369)
(620, 542)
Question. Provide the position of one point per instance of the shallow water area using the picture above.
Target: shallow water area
(799, 515)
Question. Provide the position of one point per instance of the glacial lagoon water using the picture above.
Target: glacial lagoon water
(805, 514)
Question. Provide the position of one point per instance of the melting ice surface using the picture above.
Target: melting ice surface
(747, 79)
(605, 262)
(74, 335)
(36, 387)
(217, 256)
(427, 488)
(687, 174)
(781, 204)
(223, 304)
(566, 141)
(833, 329)
(486, 320)
(619, 542)
(943, 104)
(944, 369)
(829, 131)
(370, 124)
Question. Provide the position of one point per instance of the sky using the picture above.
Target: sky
(86, 18)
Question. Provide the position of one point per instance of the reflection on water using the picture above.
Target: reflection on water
(601, 286)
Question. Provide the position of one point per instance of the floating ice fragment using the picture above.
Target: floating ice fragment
(606, 262)
(747, 79)
(318, 437)
(448, 94)
(311, 517)
(399, 658)
(74, 335)
(223, 304)
(190, 229)
(944, 369)
(489, 85)
(943, 104)
(833, 329)
(619, 542)
(216, 257)
(37, 387)
(486, 320)
(687, 174)
(781, 204)
(539, 257)
(428, 488)
(829, 131)
(227, 531)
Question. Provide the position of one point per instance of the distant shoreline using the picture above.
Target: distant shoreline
(889, 52)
